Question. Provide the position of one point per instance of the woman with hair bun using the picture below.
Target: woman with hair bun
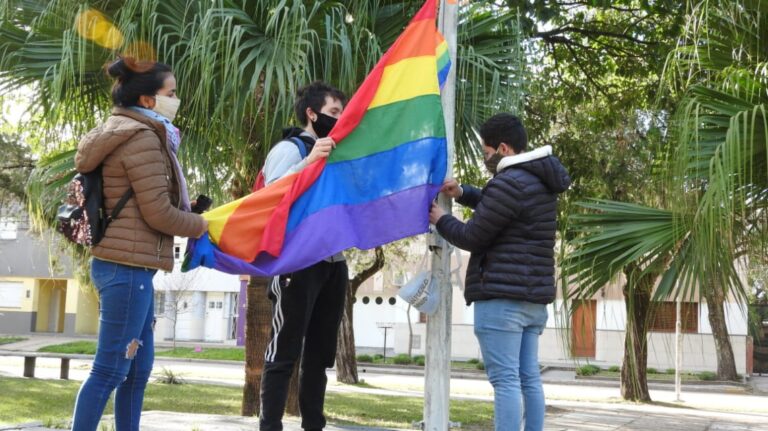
(136, 150)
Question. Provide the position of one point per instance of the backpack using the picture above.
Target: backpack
(261, 180)
(83, 218)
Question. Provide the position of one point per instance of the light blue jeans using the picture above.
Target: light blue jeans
(508, 332)
(125, 352)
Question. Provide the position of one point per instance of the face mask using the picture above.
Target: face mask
(323, 125)
(493, 162)
(166, 106)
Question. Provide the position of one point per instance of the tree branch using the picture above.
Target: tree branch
(590, 33)
(19, 166)
(376, 265)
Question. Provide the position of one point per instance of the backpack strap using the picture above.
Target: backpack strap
(120, 204)
(300, 145)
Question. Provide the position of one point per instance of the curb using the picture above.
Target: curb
(667, 382)
(663, 386)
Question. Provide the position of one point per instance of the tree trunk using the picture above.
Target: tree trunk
(292, 403)
(346, 363)
(410, 332)
(726, 364)
(637, 297)
(258, 316)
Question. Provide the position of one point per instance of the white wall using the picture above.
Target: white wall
(699, 353)
(366, 317)
(698, 349)
(735, 319)
(463, 342)
(198, 287)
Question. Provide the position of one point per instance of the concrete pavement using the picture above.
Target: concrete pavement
(563, 416)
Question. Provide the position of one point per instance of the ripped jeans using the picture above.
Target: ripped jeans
(125, 351)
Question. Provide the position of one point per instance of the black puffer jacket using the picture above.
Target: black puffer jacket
(511, 234)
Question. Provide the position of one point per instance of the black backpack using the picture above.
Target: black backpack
(83, 218)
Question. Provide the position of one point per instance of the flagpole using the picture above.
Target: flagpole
(438, 348)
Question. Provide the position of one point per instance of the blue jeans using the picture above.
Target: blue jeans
(508, 331)
(125, 352)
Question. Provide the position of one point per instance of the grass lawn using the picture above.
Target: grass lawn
(656, 376)
(89, 347)
(51, 401)
(75, 347)
(213, 353)
(9, 340)
(227, 354)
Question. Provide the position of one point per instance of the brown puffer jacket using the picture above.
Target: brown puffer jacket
(133, 152)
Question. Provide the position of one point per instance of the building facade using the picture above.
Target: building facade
(38, 293)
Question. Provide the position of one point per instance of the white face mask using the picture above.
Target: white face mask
(167, 106)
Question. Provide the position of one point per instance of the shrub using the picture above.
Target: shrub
(364, 358)
(670, 371)
(402, 359)
(614, 369)
(707, 375)
(378, 356)
(473, 361)
(480, 366)
(652, 371)
(168, 377)
(587, 370)
(419, 360)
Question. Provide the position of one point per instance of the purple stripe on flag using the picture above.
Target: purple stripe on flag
(330, 231)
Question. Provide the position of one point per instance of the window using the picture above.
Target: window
(379, 300)
(378, 282)
(177, 252)
(664, 315)
(422, 318)
(416, 341)
(392, 301)
(159, 303)
(366, 299)
(211, 304)
(11, 294)
(8, 228)
(399, 279)
(219, 305)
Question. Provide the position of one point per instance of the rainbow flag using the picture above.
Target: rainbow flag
(377, 185)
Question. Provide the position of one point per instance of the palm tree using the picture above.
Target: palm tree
(238, 64)
(716, 179)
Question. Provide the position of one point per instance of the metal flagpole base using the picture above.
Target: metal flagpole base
(419, 425)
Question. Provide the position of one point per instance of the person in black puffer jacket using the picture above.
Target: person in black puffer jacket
(511, 271)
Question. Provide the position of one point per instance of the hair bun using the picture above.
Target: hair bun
(119, 69)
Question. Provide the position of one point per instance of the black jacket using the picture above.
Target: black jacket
(511, 234)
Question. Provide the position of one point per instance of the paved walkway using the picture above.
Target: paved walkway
(561, 417)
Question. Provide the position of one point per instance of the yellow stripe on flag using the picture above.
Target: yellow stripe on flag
(442, 49)
(407, 79)
(217, 218)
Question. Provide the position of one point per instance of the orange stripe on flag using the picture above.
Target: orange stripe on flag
(417, 41)
(242, 235)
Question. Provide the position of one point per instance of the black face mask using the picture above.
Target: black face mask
(323, 125)
(493, 162)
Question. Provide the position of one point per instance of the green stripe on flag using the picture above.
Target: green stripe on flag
(388, 126)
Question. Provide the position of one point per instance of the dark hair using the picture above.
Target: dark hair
(135, 78)
(505, 128)
(313, 96)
